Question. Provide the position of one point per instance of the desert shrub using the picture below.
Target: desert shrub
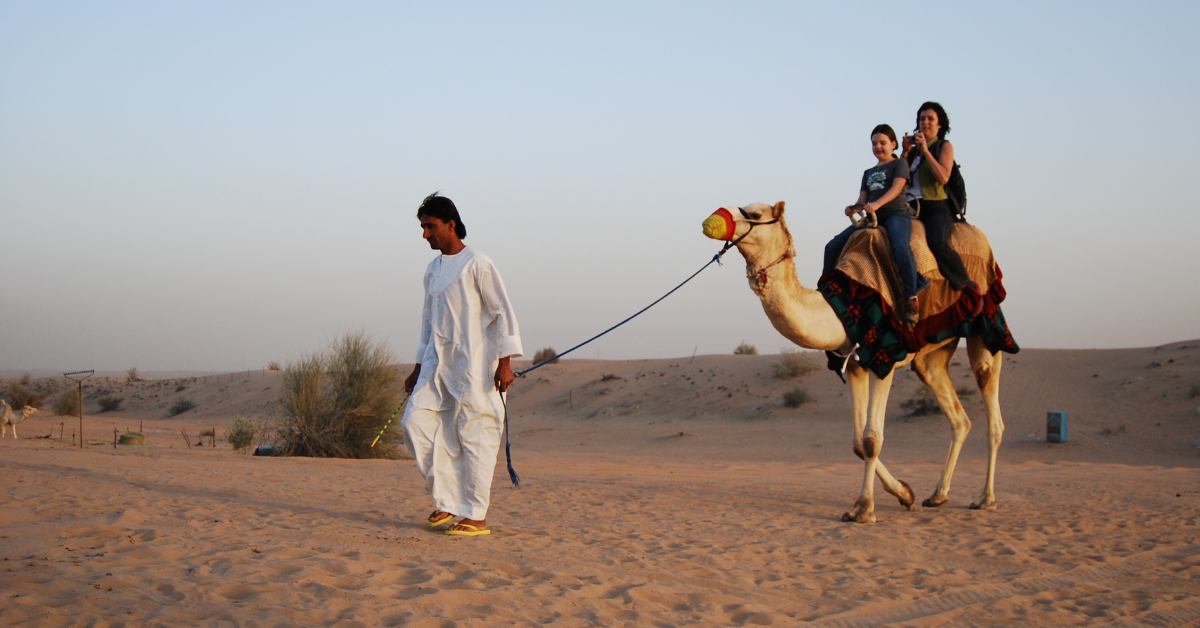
(243, 433)
(1194, 392)
(110, 404)
(745, 349)
(796, 397)
(964, 390)
(180, 387)
(793, 363)
(132, 438)
(26, 379)
(180, 406)
(273, 366)
(545, 354)
(336, 401)
(922, 404)
(21, 396)
(68, 403)
(132, 374)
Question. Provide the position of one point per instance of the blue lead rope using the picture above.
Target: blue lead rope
(512, 473)
(716, 258)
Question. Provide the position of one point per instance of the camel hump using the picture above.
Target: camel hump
(868, 260)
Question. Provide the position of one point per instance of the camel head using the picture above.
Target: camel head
(27, 411)
(756, 229)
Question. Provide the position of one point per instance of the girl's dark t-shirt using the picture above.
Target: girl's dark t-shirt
(878, 180)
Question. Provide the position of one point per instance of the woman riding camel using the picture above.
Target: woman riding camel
(930, 159)
(882, 194)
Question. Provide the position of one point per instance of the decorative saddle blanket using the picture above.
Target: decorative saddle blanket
(865, 287)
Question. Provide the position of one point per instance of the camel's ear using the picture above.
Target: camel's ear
(778, 209)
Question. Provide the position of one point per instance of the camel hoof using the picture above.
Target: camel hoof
(935, 501)
(908, 498)
(987, 505)
(862, 517)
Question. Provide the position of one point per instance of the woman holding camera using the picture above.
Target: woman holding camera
(931, 159)
(882, 194)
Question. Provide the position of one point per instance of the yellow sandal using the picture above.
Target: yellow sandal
(466, 529)
(433, 523)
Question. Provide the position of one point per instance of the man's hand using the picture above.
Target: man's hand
(504, 375)
(411, 381)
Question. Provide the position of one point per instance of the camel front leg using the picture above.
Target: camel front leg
(986, 367)
(872, 445)
(858, 381)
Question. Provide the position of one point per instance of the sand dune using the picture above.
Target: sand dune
(682, 493)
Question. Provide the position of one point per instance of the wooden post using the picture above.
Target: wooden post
(114, 437)
(81, 414)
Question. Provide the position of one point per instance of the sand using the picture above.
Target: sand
(682, 493)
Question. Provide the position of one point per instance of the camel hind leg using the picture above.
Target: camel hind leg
(986, 367)
(934, 369)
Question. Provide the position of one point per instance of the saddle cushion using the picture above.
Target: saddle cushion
(865, 286)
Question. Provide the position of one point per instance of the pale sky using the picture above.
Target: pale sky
(214, 185)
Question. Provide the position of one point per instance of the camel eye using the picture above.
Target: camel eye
(747, 216)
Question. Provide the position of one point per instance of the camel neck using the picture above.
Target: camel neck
(802, 315)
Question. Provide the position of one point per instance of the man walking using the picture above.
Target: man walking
(469, 332)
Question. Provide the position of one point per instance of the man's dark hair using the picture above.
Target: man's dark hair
(943, 119)
(442, 208)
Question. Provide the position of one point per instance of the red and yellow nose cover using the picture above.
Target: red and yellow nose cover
(719, 226)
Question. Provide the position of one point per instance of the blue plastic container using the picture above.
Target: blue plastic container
(1056, 427)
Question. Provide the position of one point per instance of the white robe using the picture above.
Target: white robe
(454, 419)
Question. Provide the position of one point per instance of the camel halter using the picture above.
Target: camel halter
(761, 275)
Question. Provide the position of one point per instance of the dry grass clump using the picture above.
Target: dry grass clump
(21, 395)
(244, 433)
(273, 366)
(132, 438)
(68, 403)
(796, 397)
(132, 374)
(793, 363)
(180, 406)
(923, 404)
(745, 349)
(335, 402)
(110, 403)
(545, 354)
(26, 379)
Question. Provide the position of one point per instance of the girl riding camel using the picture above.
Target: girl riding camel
(881, 193)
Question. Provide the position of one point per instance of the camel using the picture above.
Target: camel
(804, 317)
(7, 420)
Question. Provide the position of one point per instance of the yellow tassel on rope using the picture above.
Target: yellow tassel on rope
(389, 421)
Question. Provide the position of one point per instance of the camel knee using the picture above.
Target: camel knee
(983, 374)
(858, 451)
(960, 427)
(872, 444)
